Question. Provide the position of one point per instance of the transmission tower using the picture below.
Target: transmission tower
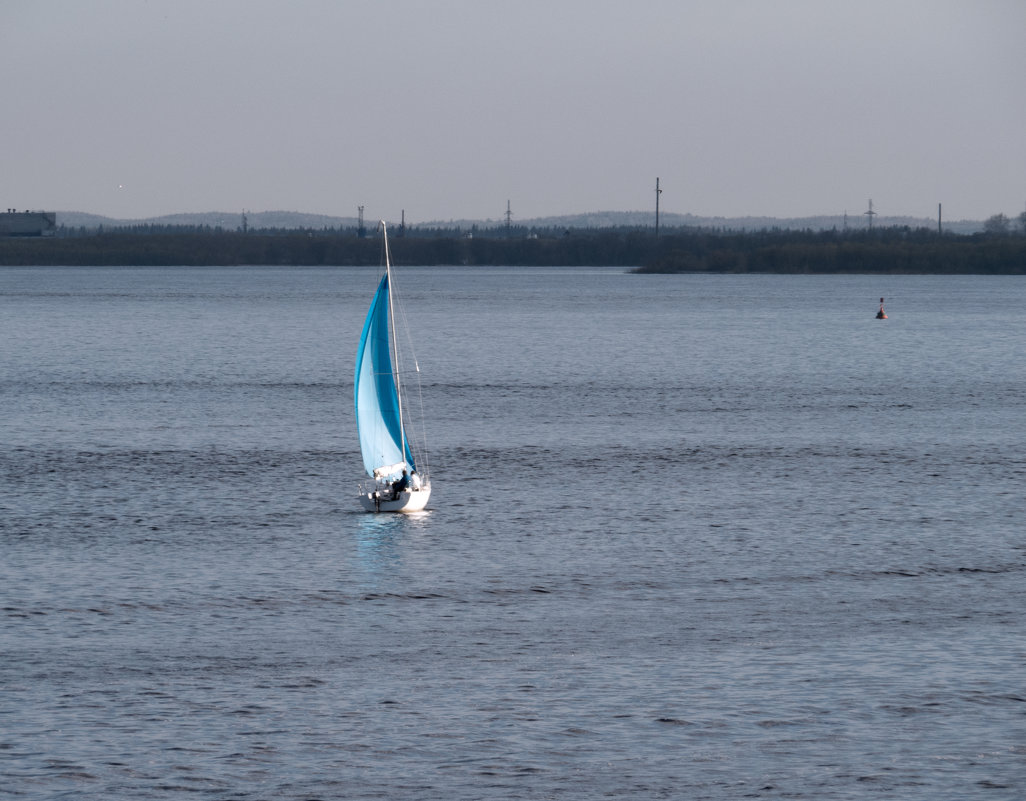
(658, 193)
(361, 229)
(870, 214)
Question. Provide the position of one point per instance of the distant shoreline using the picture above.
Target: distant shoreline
(884, 250)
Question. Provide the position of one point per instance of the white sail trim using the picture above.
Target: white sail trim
(389, 470)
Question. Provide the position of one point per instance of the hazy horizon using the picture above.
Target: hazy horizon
(447, 110)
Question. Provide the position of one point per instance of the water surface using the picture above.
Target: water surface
(705, 537)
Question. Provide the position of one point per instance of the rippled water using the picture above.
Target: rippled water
(704, 537)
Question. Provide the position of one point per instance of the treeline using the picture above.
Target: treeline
(893, 250)
(188, 249)
(227, 248)
(883, 250)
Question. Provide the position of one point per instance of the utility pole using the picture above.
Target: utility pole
(658, 193)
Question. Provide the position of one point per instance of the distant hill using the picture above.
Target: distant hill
(607, 219)
(597, 219)
(214, 219)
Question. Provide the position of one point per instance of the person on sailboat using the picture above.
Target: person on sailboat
(415, 482)
(400, 484)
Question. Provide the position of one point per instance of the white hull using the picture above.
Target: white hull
(408, 501)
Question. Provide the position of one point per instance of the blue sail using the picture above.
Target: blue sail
(377, 401)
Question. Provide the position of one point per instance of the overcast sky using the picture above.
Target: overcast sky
(449, 108)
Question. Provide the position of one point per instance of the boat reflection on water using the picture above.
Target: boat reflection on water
(379, 543)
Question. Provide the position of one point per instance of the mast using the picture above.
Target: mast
(395, 344)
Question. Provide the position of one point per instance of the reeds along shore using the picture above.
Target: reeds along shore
(895, 250)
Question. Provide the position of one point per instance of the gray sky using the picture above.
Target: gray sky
(447, 108)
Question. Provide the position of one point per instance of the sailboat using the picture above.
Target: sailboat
(381, 420)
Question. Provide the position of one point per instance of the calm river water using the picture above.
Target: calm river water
(702, 537)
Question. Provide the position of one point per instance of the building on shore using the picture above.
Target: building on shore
(28, 223)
